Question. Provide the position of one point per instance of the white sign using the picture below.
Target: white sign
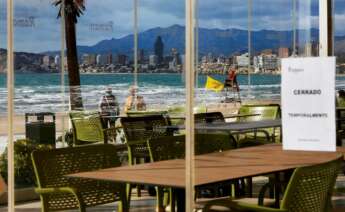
(308, 104)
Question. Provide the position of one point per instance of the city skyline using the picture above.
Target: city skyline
(114, 19)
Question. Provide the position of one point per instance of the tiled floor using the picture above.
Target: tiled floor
(147, 203)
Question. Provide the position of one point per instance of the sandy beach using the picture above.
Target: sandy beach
(62, 121)
(19, 123)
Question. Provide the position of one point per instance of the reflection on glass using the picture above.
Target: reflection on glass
(305, 26)
(3, 97)
(113, 72)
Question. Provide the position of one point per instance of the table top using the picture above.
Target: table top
(233, 126)
(183, 116)
(215, 167)
(225, 116)
(238, 126)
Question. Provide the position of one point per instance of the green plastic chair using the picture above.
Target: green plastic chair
(88, 128)
(210, 117)
(133, 113)
(58, 192)
(260, 136)
(340, 101)
(214, 142)
(166, 148)
(309, 190)
(173, 147)
(137, 131)
(178, 110)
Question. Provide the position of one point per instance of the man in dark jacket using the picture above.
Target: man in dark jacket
(109, 108)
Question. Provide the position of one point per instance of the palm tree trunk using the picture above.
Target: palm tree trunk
(72, 62)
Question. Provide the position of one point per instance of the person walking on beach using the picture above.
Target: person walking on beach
(132, 104)
(109, 108)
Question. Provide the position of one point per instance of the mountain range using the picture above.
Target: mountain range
(215, 41)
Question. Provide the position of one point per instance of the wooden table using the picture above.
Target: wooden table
(215, 167)
(225, 116)
(233, 126)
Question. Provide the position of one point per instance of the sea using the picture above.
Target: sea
(44, 93)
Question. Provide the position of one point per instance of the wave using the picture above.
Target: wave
(157, 90)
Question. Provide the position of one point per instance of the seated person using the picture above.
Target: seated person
(141, 105)
(109, 108)
(132, 104)
(341, 98)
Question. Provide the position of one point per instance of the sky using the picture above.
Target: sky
(105, 19)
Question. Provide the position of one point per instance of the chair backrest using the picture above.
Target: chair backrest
(176, 110)
(340, 100)
(146, 113)
(310, 188)
(213, 142)
(266, 112)
(211, 117)
(173, 147)
(167, 148)
(139, 129)
(52, 166)
(87, 127)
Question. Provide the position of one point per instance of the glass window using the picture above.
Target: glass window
(339, 53)
(3, 97)
(37, 91)
(158, 81)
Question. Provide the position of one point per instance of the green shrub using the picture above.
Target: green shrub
(23, 168)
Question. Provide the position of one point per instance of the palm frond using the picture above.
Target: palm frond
(75, 8)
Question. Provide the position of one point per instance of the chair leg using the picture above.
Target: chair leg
(82, 208)
(249, 187)
(160, 197)
(166, 198)
(129, 192)
(271, 189)
(123, 205)
(172, 200)
(138, 190)
(44, 204)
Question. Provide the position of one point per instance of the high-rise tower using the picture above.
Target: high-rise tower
(159, 49)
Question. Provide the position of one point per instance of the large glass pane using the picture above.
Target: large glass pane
(339, 40)
(339, 52)
(37, 100)
(305, 27)
(272, 40)
(222, 42)
(3, 101)
(240, 46)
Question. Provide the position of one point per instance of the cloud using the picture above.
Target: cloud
(267, 14)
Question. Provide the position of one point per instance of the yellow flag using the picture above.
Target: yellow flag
(213, 84)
